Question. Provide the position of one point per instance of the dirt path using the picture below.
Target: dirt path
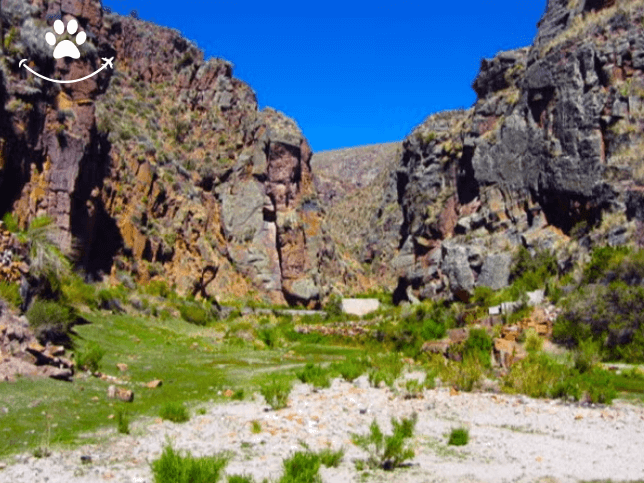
(512, 439)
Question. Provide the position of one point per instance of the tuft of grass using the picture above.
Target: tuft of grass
(388, 452)
(352, 368)
(241, 479)
(10, 292)
(330, 458)
(256, 427)
(175, 412)
(173, 467)
(385, 369)
(276, 391)
(238, 395)
(459, 437)
(122, 422)
(50, 320)
(302, 467)
(89, 359)
(315, 375)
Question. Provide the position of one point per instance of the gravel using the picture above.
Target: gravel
(512, 438)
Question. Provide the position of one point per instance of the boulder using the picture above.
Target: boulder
(115, 392)
(154, 384)
(360, 307)
(495, 272)
(456, 266)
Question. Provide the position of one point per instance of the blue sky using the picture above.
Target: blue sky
(351, 73)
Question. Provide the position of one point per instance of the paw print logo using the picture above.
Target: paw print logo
(66, 48)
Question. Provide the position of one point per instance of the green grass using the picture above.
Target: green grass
(175, 412)
(153, 349)
(173, 467)
(302, 467)
(11, 293)
(122, 422)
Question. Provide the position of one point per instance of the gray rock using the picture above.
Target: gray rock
(304, 289)
(457, 268)
(495, 272)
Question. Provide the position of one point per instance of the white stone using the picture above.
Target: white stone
(359, 307)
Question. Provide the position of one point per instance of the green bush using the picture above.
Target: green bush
(157, 288)
(194, 313)
(385, 369)
(238, 395)
(604, 262)
(352, 368)
(612, 315)
(269, 334)
(314, 375)
(302, 467)
(10, 292)
(256, 427)
(50, 320)
(459, 437)
(122, 422)
(479, 346)
(333, 306)
(533, 343)
(175, 412)
(240, 479)
(172, 467)
(276, 391)
(543, 264)
(10, 223)
(536, 376)
(387, 452)
(75, 290)
(90, 358)
(462, 375)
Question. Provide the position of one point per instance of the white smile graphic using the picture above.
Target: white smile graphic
(107, 62)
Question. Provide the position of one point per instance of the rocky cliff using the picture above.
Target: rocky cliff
(549, 156)
(162, 167)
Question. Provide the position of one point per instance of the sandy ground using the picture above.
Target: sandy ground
(512, 439)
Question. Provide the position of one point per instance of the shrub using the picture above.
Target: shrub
(90, 358)
(314, 375)
(351, 369)
(276, 391)
(50, 320)
(238, 395)
(240, 479)
(172, 467)
(385, 369)
(462, 375)
(194, 313)
(613, 316)
(542, 264)
(533, 343)
(459, 437)
(175, 412)
(122, 422)
(157, 288)
(10, 223)
(603, 262)
(269, 335)
(587, 355)
(334, 306)
(302, 467)
(75, 290)
(387, 452)
(10, 292)
(537, 376)
(478, 345)
(256, 426)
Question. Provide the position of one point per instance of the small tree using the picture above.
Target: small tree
(388, 452)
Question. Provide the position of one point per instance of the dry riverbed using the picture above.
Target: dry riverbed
(512, 439)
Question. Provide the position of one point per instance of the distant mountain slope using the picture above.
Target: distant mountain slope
(339, 172)
(352, 183)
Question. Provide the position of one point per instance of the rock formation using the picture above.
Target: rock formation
(546, 157)
(162, 167)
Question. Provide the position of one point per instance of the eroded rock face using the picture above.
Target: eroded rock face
(549, 145)
(162, 167)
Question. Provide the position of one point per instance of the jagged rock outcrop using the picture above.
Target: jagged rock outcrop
(162, 167)
(545, 158)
